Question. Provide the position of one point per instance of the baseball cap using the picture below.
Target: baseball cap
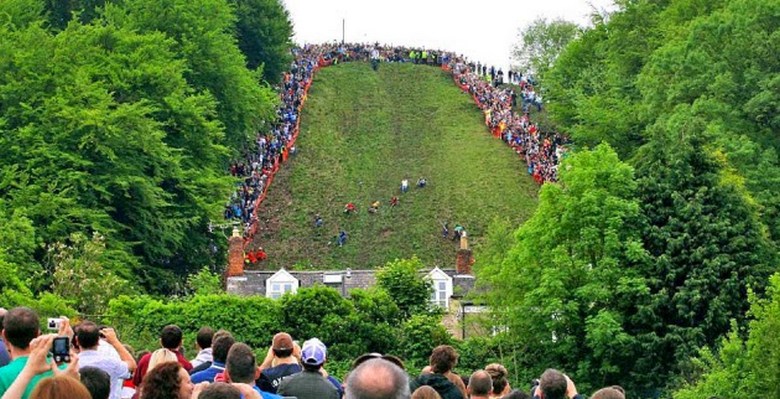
(282, 341)
(313, 352)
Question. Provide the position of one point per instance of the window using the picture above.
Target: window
(442, 288)
(279, 284)
(439, 297)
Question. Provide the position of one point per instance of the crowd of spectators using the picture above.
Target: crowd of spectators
(541, 151)
(101, 367)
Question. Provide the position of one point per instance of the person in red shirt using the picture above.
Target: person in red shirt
(170, 338)
(261, 255)
(349, 208)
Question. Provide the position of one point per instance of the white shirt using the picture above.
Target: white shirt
(115, 368)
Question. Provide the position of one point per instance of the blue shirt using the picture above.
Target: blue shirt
(5, 358)
(208, 374)
(266, 395)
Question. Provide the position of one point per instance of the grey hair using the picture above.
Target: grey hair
(377, 379)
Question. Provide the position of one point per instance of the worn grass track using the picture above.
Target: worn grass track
(361, 133)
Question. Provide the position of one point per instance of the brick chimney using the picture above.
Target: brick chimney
(235, 255)
(464, 261)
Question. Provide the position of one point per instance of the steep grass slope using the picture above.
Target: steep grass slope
(362, 132)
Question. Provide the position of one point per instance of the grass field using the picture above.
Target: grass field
(362, 132)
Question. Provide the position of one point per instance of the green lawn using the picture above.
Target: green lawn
(363, 132)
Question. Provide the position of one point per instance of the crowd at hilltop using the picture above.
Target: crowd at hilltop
(541, 151)
(101, 367)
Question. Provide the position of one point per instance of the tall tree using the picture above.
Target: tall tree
(570, 287)
(707, 245)
(540, 44)
(264, 33)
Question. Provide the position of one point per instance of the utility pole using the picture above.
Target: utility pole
(343, 22)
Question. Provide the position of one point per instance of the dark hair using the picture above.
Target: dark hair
(88, 335)
(553, 384)
(221, 347)
(21, 326)
(241, 364)
(443, 359)
(97, 381)
(171, 337)
(220, 390)
(517, 394)
(282, 353)
(162, 382)
(498, 375)
(480, 383)
(377, 379)
(59, 386)
(311, 367)
(205, 336)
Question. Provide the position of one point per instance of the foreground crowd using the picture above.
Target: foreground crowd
(98, 366)
(541, 151)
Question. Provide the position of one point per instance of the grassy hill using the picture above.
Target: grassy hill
(362, 132)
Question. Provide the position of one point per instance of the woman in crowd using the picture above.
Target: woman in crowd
(167, 381)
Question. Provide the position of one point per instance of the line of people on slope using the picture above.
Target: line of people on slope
(542, 152)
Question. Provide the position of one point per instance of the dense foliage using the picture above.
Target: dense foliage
(121, 122)
(629, 267)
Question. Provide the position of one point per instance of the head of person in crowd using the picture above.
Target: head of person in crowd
(313, 354)
(223, 341)
(161, 356)
(377, 379)
(425, 392)
(480, 384)
(220, 390)
(241, 364)
(87, 335)
(60, 386)
(204, 338)
(97, 382)
(167, 381)
(283, 345)
(20, 326)
(171, 337)
(552, 384)
(498, 374)
(517, 394)
(4, 357)
(613, 392)
(443, 359)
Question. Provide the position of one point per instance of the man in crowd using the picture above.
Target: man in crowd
(20, 327)
(88, 339)
(204, 358)
(171, 339)
(4, 357)
(555, 385)
(310, 383)
(439, 376)
(223, 341)
(97, 381)
(241, 368)
(377, 379)
(480, 385)
(279, 363)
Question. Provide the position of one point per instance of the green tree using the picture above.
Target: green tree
(79, 275)
(540, 44)
(570, 286)
(204, 282)
(402, 280)
(707, 245)
(264, 33)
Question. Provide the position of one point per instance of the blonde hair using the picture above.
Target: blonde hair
(425, 392)
(161, 356)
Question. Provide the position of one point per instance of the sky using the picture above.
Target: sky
(483, 31)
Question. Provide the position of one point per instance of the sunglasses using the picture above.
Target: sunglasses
(390, 358)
